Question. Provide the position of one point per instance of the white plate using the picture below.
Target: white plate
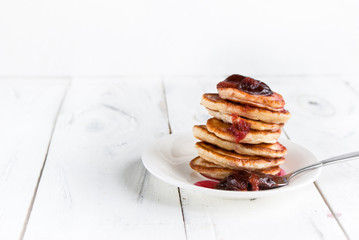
(168, 159)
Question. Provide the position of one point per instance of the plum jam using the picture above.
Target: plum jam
(246, 84)
(244, 180)
(240, 128)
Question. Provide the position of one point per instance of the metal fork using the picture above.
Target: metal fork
(284, 180)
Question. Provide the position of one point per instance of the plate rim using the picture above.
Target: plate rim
(222, 193)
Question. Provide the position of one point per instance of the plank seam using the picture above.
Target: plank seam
(140, 193)
(166, 106)
(347, 84)
(331, 210)
(170, 131)
(182, 211)
(324, 199)
(352, 89)
(22, 235)
(285, 133)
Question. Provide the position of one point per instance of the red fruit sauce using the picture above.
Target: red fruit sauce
(240, 128)
(281, 173)
(240, 181)
(206, 184)
(246, 84)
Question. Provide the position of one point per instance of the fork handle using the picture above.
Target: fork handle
(326, 162)
(340, 158)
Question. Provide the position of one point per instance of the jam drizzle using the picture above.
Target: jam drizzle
(245, 180)
(242, 180)
(206, 184)
(281, 173)
(239, 128)
(246, 84)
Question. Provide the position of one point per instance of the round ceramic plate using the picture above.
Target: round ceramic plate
(168, 159)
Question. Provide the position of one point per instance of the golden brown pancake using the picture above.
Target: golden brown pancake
(214, 102)
(221, 130)
(209, 169)
(251, 92)
(212, 170)
(233, 160)
(255, 125)
(265, 150)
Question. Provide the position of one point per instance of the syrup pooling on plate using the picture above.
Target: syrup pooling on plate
(281, 173)
(206, 184)
(246, 84)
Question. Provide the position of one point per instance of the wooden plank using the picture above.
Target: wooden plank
(94, 185)
(29, 108)
(325, 120)
(299, 215)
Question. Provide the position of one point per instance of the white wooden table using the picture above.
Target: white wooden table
(70, 161)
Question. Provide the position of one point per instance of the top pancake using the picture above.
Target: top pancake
(214, 102)
(232, 89)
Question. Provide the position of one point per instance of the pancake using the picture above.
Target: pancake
(265, 150)
(256, 125)
(209, 169)
(233, 160)
(212, 170)
(221, 130)
(214, 102)
(251, 92)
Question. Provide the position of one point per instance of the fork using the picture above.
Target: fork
(284, 180)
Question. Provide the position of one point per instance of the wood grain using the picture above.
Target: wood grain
(94, 185)
(325, 120)
(29, 109)
(299, 215)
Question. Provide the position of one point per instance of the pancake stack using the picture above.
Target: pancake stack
(247, 117)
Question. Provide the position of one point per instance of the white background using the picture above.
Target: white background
(114, 37)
